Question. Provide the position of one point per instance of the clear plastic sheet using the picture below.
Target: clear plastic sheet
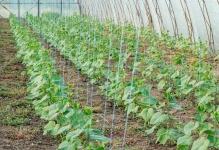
(195, 19)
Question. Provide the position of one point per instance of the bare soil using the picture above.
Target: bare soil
(20, 129)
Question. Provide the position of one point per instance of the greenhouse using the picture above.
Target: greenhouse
(109, 74)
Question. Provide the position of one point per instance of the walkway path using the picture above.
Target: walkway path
(19, 128)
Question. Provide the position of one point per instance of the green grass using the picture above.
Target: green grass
(14, 111)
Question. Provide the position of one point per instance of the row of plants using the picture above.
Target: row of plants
(128, 62)
(52, 98)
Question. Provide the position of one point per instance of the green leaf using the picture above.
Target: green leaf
(64, 145)
(54, 131)
(146, 114)
(151, 130)
(132, 108)
(52, 116)
(199, 84)
(183, 147)
(163, 135)
(176, 74)
(37, 102)
(63, 129)
(74, 134)
(145, 91)
(127, 94)
(49, 126)
(161, 84)
(185, 140)
(87, 110)
(150, 100)
(70, 113)
(97, 135)
(205, 100)
(99, 138)
(187, 90)
(158, 118)
(201, 143)
(185, 80)
(189, 127)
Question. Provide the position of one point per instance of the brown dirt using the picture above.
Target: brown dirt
(86, 94)
(19, 128)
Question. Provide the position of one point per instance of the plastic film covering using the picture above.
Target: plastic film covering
(195, 19)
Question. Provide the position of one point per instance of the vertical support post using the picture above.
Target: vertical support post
(38, 8)
(18, 9)
(61, 7)
(79, 5)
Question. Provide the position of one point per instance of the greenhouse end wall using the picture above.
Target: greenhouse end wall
(35, 7)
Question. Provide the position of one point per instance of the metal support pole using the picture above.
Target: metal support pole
(18, 9)
(79, 5)
(38, 8)
(61, 7)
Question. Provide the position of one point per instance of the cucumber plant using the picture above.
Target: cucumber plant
(51, 97)
(176, 68)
